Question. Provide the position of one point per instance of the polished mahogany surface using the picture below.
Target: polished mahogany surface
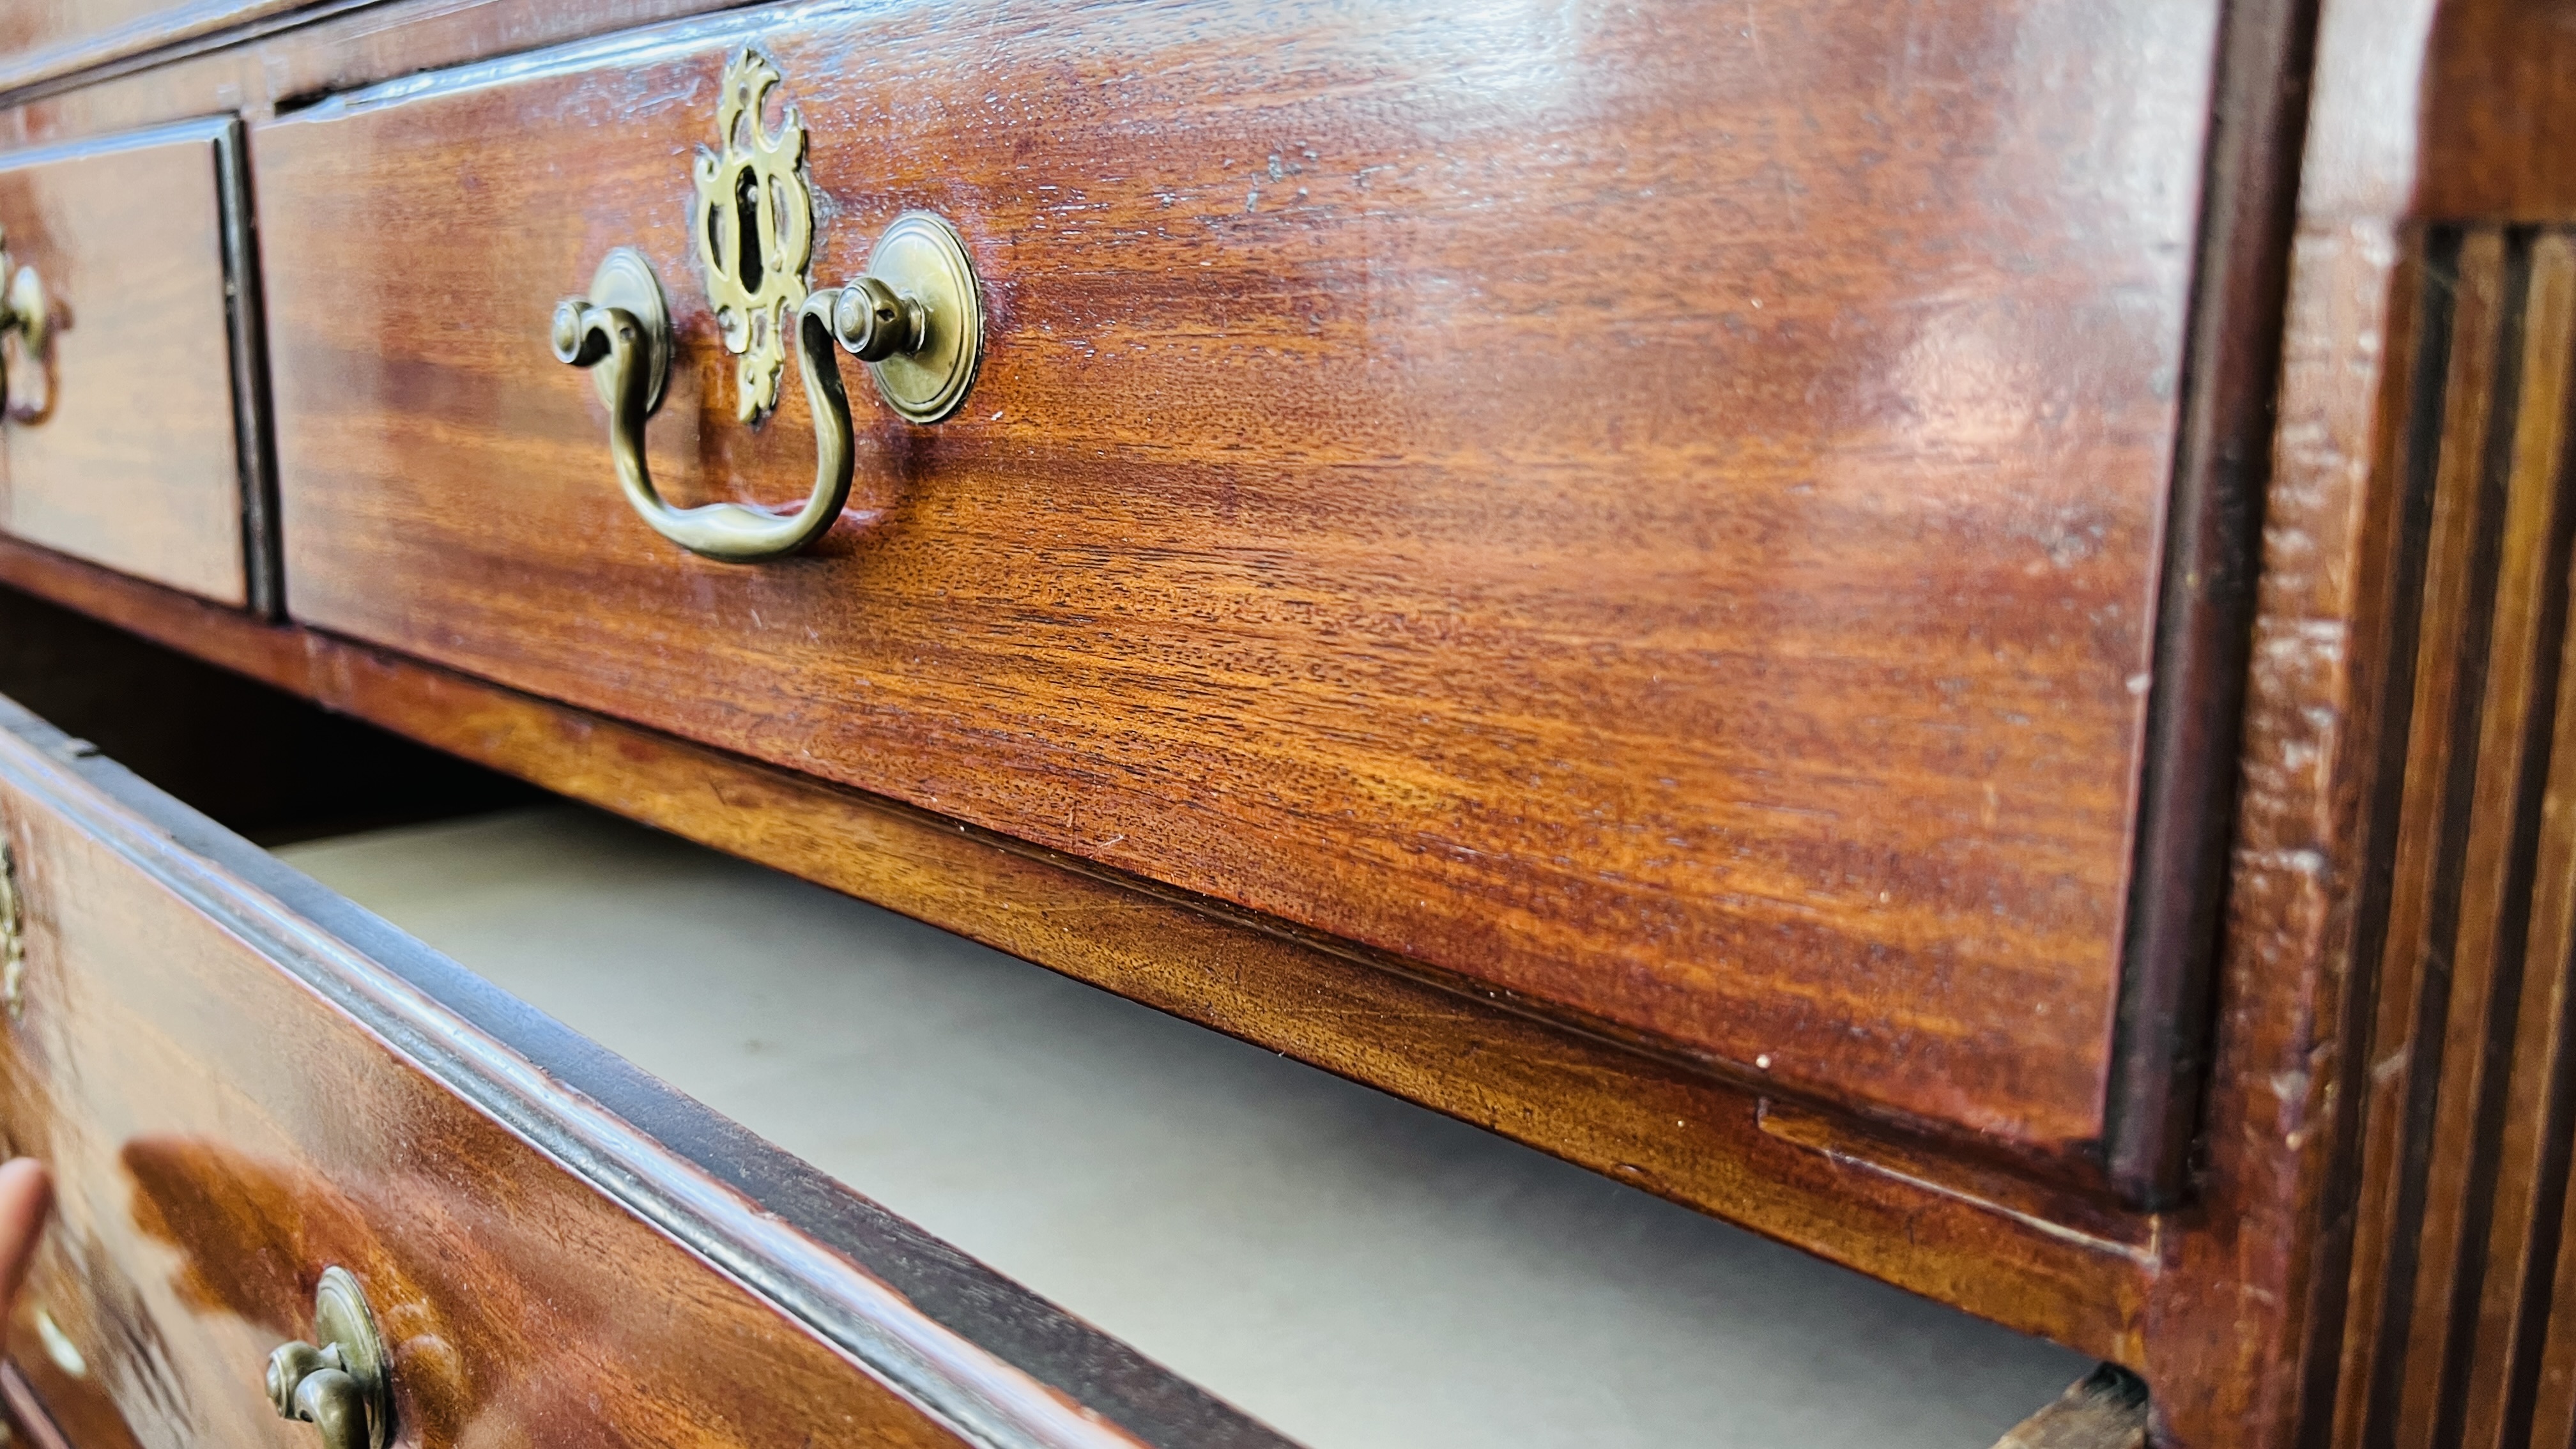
(120, 443)
(2046, 1258)
(1656, 512)
(2241, 1303)
(42, 40)
(239, 1080)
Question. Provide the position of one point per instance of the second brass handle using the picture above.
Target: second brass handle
(623, 331)
(342, 1387)
(23, 311)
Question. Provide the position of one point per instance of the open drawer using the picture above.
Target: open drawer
(243, 1082)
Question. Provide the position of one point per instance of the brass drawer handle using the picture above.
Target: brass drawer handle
(343, 1388)
(916, 320)
(23, 311)
(622, 331)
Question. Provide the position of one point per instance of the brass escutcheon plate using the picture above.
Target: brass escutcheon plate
(754, 222)
(922, 257)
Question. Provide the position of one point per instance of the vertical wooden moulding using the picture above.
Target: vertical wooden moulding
(2440, 465)
(2496, 1327)
(263, 565)
(2467, 1077)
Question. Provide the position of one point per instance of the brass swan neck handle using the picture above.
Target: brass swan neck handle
(916, 319)
(622, 331)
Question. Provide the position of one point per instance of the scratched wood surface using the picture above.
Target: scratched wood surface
(2454, 1333)
(119, 443)
(1524, 495)
(206, 1067)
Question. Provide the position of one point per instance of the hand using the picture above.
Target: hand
(26, 1196)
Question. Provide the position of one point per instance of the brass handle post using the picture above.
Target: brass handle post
(23, 311)
(873, 321)
(622, 332)
(916, 318)
(343, 1386)
(308, 1383)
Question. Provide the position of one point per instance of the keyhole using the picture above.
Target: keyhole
(746, 217)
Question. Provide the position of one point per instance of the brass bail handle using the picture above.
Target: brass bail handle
(622, 331)
(23, 311)
(916, 319)
(342, 1387)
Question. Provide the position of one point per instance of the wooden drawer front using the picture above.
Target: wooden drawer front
(1653, 509)
(41, 39)
(234, 1098)
(122, 448)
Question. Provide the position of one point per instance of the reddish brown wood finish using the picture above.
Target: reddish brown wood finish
(2471, 1105)
(39, 1416)
(285, 61)
(220, 1138)
(234, 1096)
(2498, 113)
(1525, 497)
(2237, 1311)
(1977, 1235)
(43, 39)
(80, 1411)
(121, 446)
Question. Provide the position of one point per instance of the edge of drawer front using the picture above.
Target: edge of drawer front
(148, 457)
(932, 677)
(972, 1350)
(69, 48)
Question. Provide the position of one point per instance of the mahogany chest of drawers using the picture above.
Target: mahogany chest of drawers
(1936, 630)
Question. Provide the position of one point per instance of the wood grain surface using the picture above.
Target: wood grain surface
(2454, 1334)
(120, 442)
(1971, 1232)
(279, 62)
(2237, 1312)
(2497, 139)
(1525, 496)
(239, 1080)
(42, 40)
(2215, 1301)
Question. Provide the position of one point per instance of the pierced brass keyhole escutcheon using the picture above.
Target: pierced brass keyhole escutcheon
(344, 1386)
(755, 228)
